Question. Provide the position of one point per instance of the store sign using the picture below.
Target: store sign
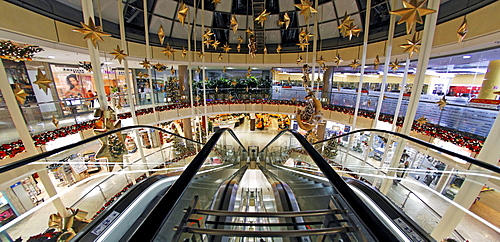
(484, 103)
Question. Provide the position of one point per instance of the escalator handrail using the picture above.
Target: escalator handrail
(370, 219)
(43, 155)
(471, 160)
(156, 218)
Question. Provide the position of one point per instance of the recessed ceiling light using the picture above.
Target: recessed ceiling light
(108, 63)
(51, 57)
(466, 56)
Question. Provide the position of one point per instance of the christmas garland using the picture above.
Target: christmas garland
(16, 52)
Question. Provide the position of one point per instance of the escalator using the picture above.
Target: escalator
(209, 199)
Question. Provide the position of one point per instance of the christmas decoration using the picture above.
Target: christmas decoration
(376, 63)
(16, 52)
(306, 9)
(278, 49)
(308, 118)
(201, 54)
(184, 52)
(92, 32)
(172, 70)
(85, 65)
(119, 54)
(198, 69)
(55, 121)
(238, 48)
(168, 51)
(346, 22)
(252, 47)
(354, 64)
(224, 69)
(285, 22)
(20, 94)
(394, 65)
(182, 13)
(220, 56)
(412, 13)
(240, 40)
(265, 50)
(42, 81)
(299, 60)
(462, 30)
(234, 24)
(303, 45)
(249, 31)
(215, 2)
(321, 61)
(351, 30)
(142, 75)
(338, 59)
(145, 63)
(422, 120)
(442, 103)
(262, 18)
(331, 149)
(412, 45)
(215, 44)
(161, 34)
(226, 47)
(159, 67)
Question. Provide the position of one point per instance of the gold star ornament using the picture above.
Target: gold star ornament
(184, 52)
(198, 69)
(119, 54)
(321, 61)
(249, 31)
(412, 45)
(346, 22)
(92, 32)
(422, 120)
(159, 67)
(220, 56)
(216, 44)
(376, 63)
(172, 70)
(354, 64)
(224, 69)
(168, 51)
(278, 49)
(55, 121)
(262, 18)
(412, 13)
(143, 75)
(238, 48)
(234, 24)
(201, 54)
(161, 34)
(351, 30)
(42, 81)
(303, 45)
(145, 63)
(215, 2)
(285, 22)
(182, 13)
(265, 50)
(20, 94)
(462, 31)
(442, 103)
(306, 9)
(299, 60)
(395, 65)
(338, 59)
(226, 48)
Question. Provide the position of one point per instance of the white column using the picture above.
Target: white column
(148, 56)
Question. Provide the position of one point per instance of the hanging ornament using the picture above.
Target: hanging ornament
(207, 42)
(265, 50)
(376, 63)
(20, 94)
(321, 61)
(252, 46)
(278, 49)
(369, 102)
(215, 44)
(198, 69)
(226, 48)
(238, 48)
(249, 31)
(92, 32)
(395, 65)
(412, 45)
(442, 103)
(299, 60)
(354, 64)
(208, 34)
(346, 22)
(220, 56)
(119, 54)
(230, 97)
(240, 40)
(248, 75)
(216, 89)
(293, 99)
(182, 13)
(303, 45)
(247, 89)
(215, 2)
(42, 81)
(145, 63)
(351, 30)
(184, 52)
(412, 13)
(305, 35)
(55, 121)
(338, 59)
(172, 71)
(234, 83)
(249, 69)
(234, 24)
(462, 31)
(422, 120)
(273, 71)
(168, 51)
(262, 18)
(161, 34)
(143, 75)
(159, 67)
(306, 9)
(285, 22)
(224, 69)
(201, 54)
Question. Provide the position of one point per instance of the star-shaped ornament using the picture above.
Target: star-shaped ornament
(354, 64)
(208, 34)
(92, 32)
(412, 45)
(172, 70)
(224, 69)
(412, 13)
(143, 75)
(422, 120)
(168, 51)
(285, 22)
(220, 56)
(321, 61)
(216, 88)
(119, 54)
(207, 42)
(249, 31)
(376, 63)
(20, 94)
(201, 54)
(246, 89)
(395, 65)
(249, 70)
(159, 67)
(442, 103)
(198, 69)
(306, 9)
(226, 48)
(293, 99)
(462, 31)
(182, 13)
(338, 59)
(42, 81)
(240, 40)
(278, 49)
(55, 121)
(215, 44)
(248, 75)
(352, 30)
(230, 97)
(215, 2)
(145, 63)
(265, 50)
(234, 83)
(238, 48)
(303, 45)
(184, 52)
(262, 18)
(299, 60)
(346, 22)
(161, 34)
(234, 24)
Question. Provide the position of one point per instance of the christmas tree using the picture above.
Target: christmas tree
(172, 90)
(116, 147)
(331, 149)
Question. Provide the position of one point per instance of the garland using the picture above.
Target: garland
(16, 52)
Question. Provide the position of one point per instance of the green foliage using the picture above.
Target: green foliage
(116, 147)
(331, 149)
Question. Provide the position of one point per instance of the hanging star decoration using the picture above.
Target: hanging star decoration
(184, 52)
(262, 18)
(278, 49)
(442, 103)
(246, 88)
(462, 31)
(412, 45)
(92, 32)
(198, 69)
(285, 22)
(338, 59)
(240, 40)
(208, 34)
(248, 75)
(159, 67)
(55, 121)
(395, 65)
(143, 75)
(226, 48)
(249, 31)
(119, 54)
(249, 69)
(215, 44)
(201, 54)
(145, 63)
(422, 120)
(306, 9)
(412, 13)
(224, 69)
(208, 42)
(354, 64)
(299, 60)
(216, 88)
(172, 70)
(352, 30)
(168, 51)
(369, 103)
(376, 63)
(220, 56)
(234, 24)
(234, 83)
(293, 99)
(215, 2)
(20, 94)
(238, 48)
(303, 45)
(265, 50)
(182, 13)
(346, 22)
(161, 34)
(321, 61)
(42, 81)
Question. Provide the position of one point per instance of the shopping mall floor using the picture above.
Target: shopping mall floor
(487, 207)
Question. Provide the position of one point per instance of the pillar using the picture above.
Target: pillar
(443, 179)
(252, 124)
(327, 85)
(320, 131)
(183, 74)
(491, 82)
(188, 130)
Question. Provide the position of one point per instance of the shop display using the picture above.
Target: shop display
(32, 190)
(92, 165)
(130, 144)
(6, 214)
(146, 142)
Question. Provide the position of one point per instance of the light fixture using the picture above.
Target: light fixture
(466, 56)
(108, 63)
(51, 57)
